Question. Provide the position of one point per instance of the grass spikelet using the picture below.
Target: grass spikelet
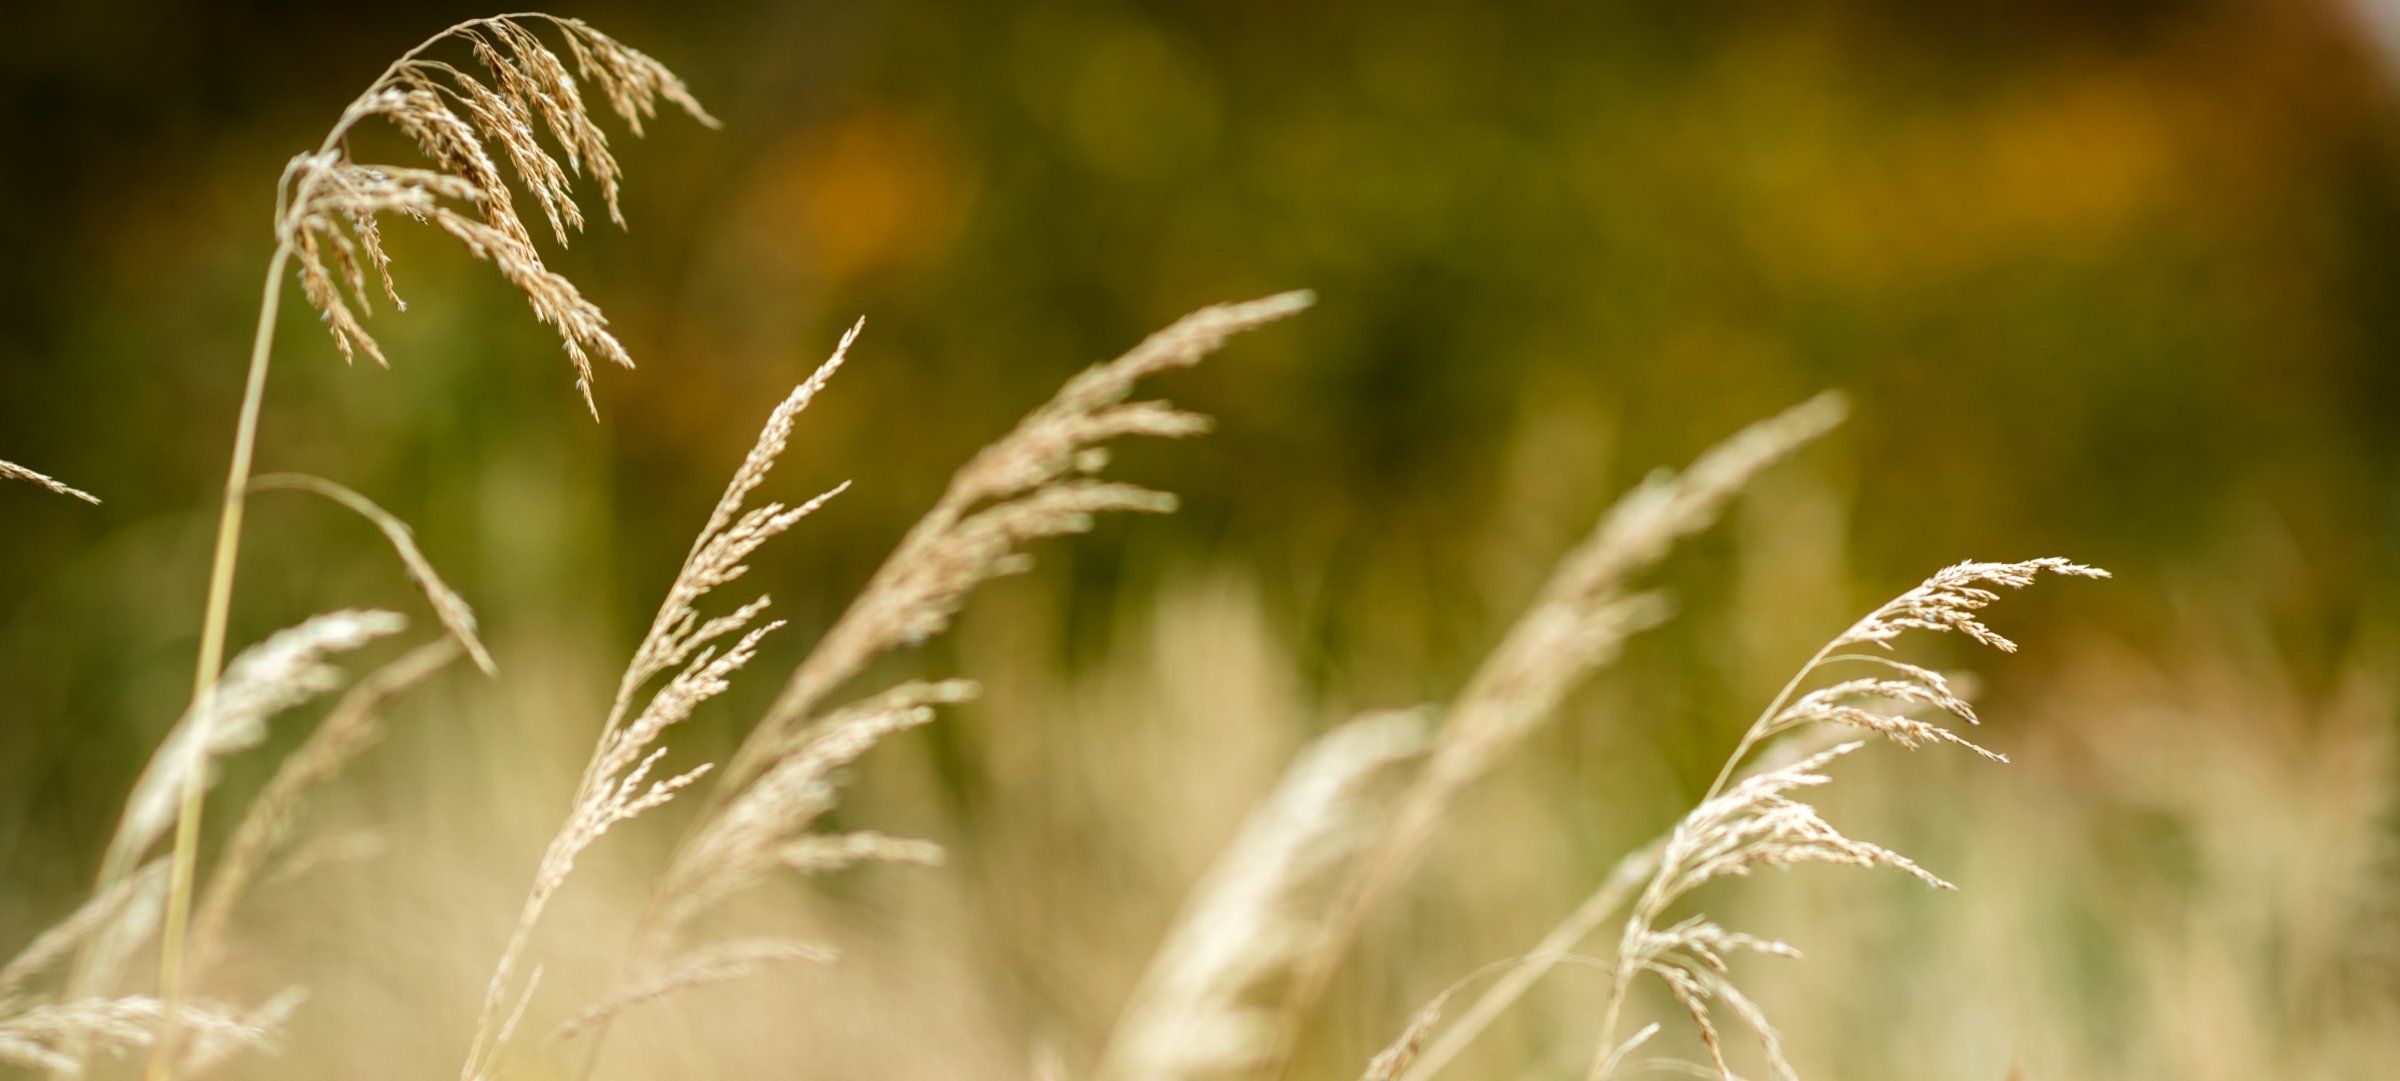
(329, 206)
(1260, 908)
(1033, 483)
(1949, 600)
(763, 831)
(1030, 484)
(1578, 622)
(13, 471)
(616, 785)
(1586, 610)
(1754, 824)
(1759, 821)
(1630, 875)
(765, 828)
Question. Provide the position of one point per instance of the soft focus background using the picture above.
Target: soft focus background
(2113, 282)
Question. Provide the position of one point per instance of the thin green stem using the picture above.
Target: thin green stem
(212, 659)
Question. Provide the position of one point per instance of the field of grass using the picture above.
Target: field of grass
(1475, 719)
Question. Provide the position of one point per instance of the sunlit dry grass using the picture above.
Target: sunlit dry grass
(1243, 873)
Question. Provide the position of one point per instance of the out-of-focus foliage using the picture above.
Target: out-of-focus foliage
(2109, 281)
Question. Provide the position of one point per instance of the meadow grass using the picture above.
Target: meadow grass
(1237, 980)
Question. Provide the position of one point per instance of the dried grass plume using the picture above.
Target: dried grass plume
(1760, 821)
(617, 783)
(1578, 622)
(329, 206)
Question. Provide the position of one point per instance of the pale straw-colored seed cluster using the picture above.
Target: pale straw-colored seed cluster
(60, 1030)
(329, 205)
(1243, 964)
(1759, 821)
(1751, 818)
(616, 785)
(327, 219)
(766, 828)
(1755, 824)
(1195, 1017)
(1950, 599)
(1038, 481)
(1577, 623)
(1848, 703)
(1586, 611)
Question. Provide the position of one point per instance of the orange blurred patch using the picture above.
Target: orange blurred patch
(876, 190)
(2075, 163)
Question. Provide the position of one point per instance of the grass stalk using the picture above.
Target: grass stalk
(181, 870)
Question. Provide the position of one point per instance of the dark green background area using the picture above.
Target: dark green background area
(2112, 285)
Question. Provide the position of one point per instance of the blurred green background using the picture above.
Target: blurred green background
(2108, 281)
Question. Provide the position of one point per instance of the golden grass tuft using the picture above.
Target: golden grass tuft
(1239, 971)
(328, 205)
(1756, 822)
(1580, 619)
(616, 785)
